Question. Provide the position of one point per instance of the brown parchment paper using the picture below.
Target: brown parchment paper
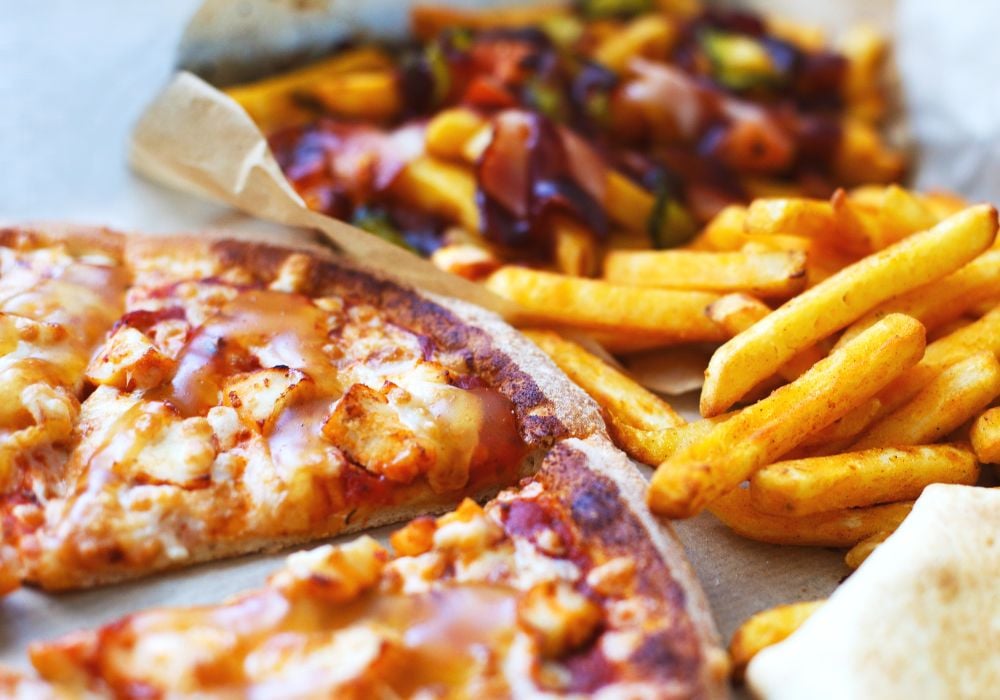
(196, 139)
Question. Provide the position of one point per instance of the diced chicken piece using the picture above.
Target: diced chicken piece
(294, 273)
(560, 618)
(467, 531)
(336, 573)
(130, 360)
(176, 451)
(416, 537)
(613, 577)
(260, 396)
(371, 432)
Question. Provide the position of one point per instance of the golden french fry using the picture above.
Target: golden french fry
(983, 334)
(449, 130)
(857, 554)
(943, 300)
(841, 299)
(575, 247)
(627, 204)
(761, 433)
(835, 528)
(881, 475)
(724, 232)
(864, 157)
(865, 50)
(985, 436)
(441, 188)
(595, 304)
(957, 394)
(943, 203)
(809, 218)
(772, 274)
(646, 446)
(737, 312)
(844, 429)
(372, 95)
(766, 628)
(648, 36)
(616, 393)
(271, 102)
(428, 20)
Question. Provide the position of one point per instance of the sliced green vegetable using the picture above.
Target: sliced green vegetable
(378, 222)
(739, 62)
(546, 98)
(563, 30)
(670, 224)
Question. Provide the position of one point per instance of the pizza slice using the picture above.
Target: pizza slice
(565, 586)
(184, 399)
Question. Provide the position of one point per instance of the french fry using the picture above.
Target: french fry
(835, 528)
(372, 95)
(864, 157)
(942, 300)
(429, 20)
(575, 247)
(272, 102)
(774, 274)
(985, 436)
(649, 36)
(598, 305)
(725, 231)
(810, 218)
(881, 475)
(627, 204)
(865, 50)
(845, 429)
(841, 299)
(765, 629)
(957, 394)
(439, 187)
(448, 132)
(761, 433)
(647, 446)
(857, 554)
(737, 312)
(616, 393)
(983, 334)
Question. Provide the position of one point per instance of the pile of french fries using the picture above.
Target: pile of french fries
(824, 418)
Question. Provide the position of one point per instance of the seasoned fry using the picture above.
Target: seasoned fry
(575, 247)
(449, 131)
(737, 312)
(371, 95)
(857, 554)
(985, 436)
(943, 300)
(846, 428)
(865, 50)
(428, 20)
(628, 204)
(647, 446)
(953, 397)
(725, 231)
(766, 628)
(863, 156)
(599, 305)
(835, 528)
(774, 426)
(272, 102)
(810, 218)
(983, 334)
(774, 274)
(440, 187)
(841, 299)
(881, 475)
(649, 36)
(616, 393)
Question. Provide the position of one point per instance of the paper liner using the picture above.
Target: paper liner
(197, 139)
